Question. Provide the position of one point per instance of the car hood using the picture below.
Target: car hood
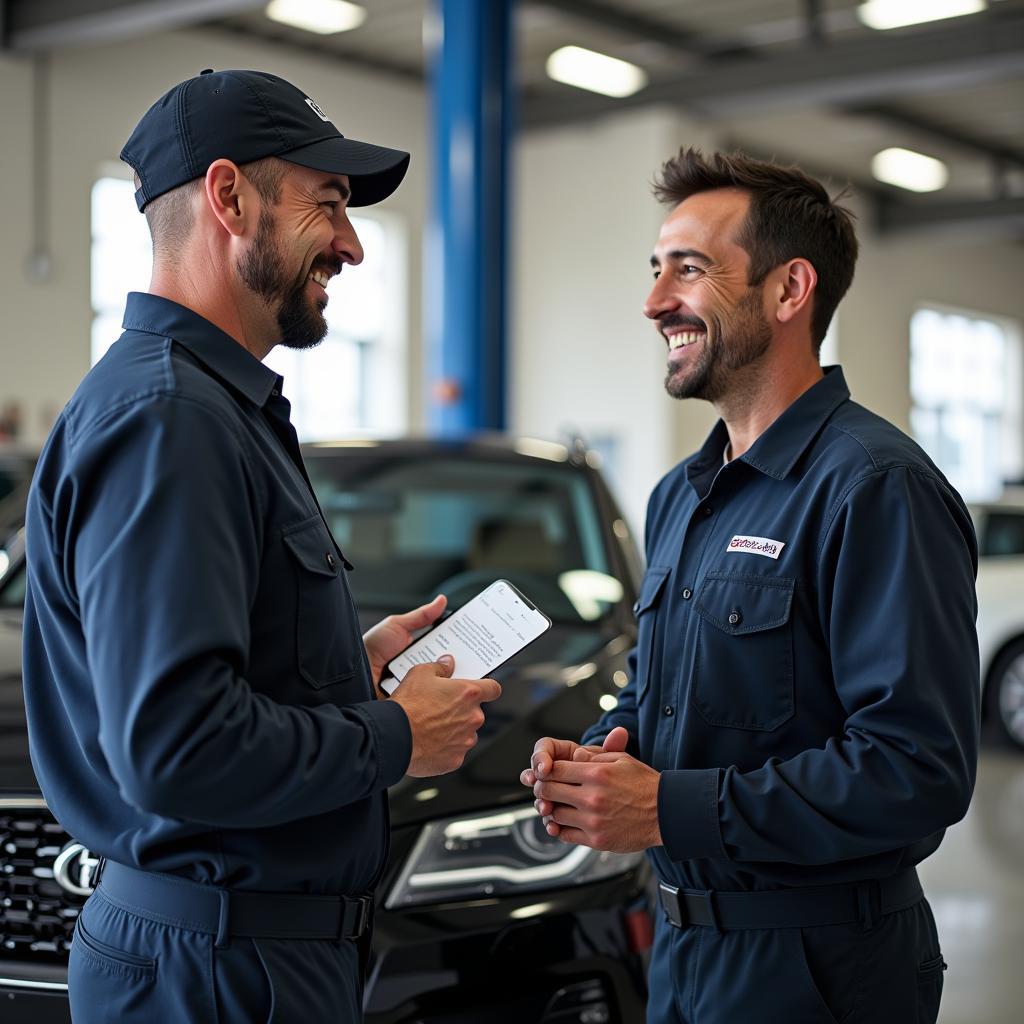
(551, 688)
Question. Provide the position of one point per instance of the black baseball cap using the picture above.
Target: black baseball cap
(244, 116)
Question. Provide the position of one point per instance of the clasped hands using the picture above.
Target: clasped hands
(593, 796)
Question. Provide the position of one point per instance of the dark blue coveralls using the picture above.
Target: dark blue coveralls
(806, 681)
(199, 700)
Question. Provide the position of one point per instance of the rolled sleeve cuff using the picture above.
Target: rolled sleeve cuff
(688, 814)
(392, 735)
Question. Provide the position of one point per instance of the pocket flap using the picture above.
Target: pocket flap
(745, 604)
(312, 547)
(650, 587)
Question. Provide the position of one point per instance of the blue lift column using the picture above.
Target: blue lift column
(468, 243)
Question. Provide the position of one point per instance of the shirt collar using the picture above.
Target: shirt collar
(215, 349)
(775, 452)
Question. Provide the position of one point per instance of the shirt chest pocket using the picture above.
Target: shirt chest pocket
(646, 611)
(743, 672)
(327, 636)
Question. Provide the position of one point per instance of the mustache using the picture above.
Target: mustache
(670, 320)
(330, 265)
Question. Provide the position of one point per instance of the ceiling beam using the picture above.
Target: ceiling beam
(641, 28)
(1008, 156)
(986, 218)
(53, 24)
(859, 70)
(328, 50)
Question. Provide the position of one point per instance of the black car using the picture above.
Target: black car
(16, 467)
(481, 916)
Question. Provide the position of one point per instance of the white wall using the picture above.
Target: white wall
(584, 356)
(894, 277)
(584, 222)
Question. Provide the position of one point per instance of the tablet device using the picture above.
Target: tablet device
(481, 636)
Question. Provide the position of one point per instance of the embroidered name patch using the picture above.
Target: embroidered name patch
(756, 546)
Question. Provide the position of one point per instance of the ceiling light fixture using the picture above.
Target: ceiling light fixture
(906, 169)
(585, 69)
(883, 14)
(324, 17)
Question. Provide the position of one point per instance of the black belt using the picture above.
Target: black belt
(229, 913)
(809, 907)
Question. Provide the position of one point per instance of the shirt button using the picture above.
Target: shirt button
(707, 510)
(687, 593)
(735, 618)
(331, 563)
(668, 711)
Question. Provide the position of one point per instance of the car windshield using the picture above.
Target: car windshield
(416, 526)
(1003, 533)
(15, 476)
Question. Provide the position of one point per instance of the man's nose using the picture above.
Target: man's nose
(346, 243)
(661, 299)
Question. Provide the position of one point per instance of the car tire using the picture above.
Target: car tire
(1005, 692)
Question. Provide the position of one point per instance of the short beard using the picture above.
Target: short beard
(726, 349)
(262, 269)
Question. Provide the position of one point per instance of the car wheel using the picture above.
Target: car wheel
(1006, 692)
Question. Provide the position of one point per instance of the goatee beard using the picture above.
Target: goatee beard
(301, 323)
(725, 350)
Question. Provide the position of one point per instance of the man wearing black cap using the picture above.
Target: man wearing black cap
(201, 705)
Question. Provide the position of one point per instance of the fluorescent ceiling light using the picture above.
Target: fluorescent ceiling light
(597, 72)
(883, 14)
(906, 169)
(322, 16)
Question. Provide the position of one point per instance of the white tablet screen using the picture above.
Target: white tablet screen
(480, 636)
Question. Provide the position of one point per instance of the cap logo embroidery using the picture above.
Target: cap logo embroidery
(755, 546)
(316, 110)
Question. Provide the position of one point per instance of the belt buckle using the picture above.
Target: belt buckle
(96, 872)
(359, 907)
(708, 899)
(669, 896)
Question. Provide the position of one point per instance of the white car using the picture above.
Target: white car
(1001, 612)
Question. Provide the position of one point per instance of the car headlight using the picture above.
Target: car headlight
(499, 853)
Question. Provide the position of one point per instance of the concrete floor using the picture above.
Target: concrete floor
(975, 883)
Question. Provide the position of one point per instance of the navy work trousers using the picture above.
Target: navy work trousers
(131, 967)
(890, 973)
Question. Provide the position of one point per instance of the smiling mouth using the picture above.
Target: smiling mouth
(681, 339)
(320, 277)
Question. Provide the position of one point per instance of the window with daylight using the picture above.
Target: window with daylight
(967, 389)
(353, 382)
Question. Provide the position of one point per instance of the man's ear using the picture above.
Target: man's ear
(794, 289)
(230, 197)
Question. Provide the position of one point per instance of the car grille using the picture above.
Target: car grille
(37, 916)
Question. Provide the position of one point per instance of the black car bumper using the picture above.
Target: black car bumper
(573, 956)
(564, 957)
(31, 994)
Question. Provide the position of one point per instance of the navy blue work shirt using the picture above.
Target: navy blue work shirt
(806, 674)
(198, 695)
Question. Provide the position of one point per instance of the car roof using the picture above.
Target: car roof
(482, 446)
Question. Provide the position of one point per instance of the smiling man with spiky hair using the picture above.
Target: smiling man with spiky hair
(801, 719)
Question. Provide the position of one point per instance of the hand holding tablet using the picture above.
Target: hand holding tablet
(481, 636)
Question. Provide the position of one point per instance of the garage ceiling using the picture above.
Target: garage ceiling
(795, 79)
